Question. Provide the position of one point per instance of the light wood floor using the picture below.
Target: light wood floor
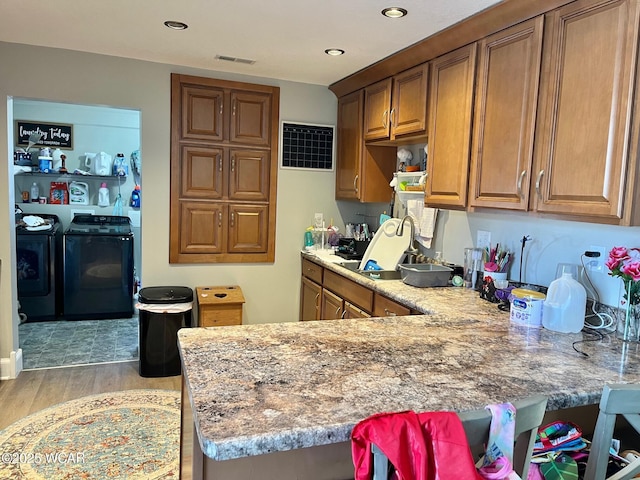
(35, 390)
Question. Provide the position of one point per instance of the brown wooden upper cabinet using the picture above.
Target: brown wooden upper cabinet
(223, 182)
(397, 107)
(363, 172)
(506, 98)
(585, 110)
(449, 130)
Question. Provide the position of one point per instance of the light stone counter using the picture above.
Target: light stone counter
(257, 389)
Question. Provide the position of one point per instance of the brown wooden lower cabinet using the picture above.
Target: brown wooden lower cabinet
(332, 305)
(351, 311)
(385, 307)
(327, 295)
(310, 293)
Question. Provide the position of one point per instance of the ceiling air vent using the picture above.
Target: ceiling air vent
(235, 59)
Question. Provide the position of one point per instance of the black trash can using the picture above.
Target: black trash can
(163, 311)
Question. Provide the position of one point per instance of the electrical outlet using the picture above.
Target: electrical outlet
(318, 219)
(595, 263)
(483, 239)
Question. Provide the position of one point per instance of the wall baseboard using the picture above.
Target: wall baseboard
(11, 367)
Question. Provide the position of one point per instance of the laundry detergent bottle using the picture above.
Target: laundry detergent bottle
(135, 197)
(565, 305)
(103, 195)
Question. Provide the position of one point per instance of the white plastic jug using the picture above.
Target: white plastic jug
(564, 309)
(98, 163)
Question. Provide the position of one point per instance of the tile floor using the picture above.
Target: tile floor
(81, 342)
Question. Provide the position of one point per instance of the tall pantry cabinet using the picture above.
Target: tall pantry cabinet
(224, 167)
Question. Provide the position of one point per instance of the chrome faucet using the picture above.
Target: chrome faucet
(411, 250)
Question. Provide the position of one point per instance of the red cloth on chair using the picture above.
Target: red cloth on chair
(425, 446)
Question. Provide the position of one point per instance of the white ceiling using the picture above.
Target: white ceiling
(286, 38)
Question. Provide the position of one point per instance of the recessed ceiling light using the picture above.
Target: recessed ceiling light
(334, 52)
(176, 25)
(394, 12)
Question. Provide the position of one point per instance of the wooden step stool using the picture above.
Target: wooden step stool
(219, 306)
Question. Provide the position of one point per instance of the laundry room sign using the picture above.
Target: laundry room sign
(59, 135)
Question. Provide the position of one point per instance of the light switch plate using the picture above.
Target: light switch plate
(318, 219)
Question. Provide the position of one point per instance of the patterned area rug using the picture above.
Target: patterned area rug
(133, 434)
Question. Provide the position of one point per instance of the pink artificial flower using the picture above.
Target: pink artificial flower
(616, 256)
(612, 263)
(631, 268)
(619, 253)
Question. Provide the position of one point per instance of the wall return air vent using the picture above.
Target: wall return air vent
(226, 58)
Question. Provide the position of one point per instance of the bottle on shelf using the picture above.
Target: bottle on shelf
(135, 197)
(103, 195)
(35, 192)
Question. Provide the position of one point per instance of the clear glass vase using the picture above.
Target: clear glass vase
(628, 329)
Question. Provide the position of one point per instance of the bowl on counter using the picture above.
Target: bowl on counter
(425, 274)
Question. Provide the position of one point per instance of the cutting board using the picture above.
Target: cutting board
(387, 248)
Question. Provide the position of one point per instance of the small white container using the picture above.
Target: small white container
(564, 308)
(526, 307)
(495, 275)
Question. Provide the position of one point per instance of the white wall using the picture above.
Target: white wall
(552, 242)
(271, 290)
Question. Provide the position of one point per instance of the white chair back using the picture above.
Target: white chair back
(622, 399)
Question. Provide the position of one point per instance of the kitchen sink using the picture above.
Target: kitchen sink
(381, 274)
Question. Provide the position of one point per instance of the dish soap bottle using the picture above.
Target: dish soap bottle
(103, 195)
(135, 197)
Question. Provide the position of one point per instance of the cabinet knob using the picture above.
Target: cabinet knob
(392, 122)
(384, 119)
(389, 313)
(355, 183)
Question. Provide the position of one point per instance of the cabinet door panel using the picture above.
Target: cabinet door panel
(312, 270)
(202, 112)
(351, 311)
(504, 117)
(409, 109)
(590, 56)
(248, 228)
(385, 307)
(249, 175)
(310, 293)
(201, 172)
(201, 226)
(377, 102)
(332, 306)
(250, 117)
(450, 109)
(350, 144)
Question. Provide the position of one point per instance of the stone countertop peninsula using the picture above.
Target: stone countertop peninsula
(258, 389)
